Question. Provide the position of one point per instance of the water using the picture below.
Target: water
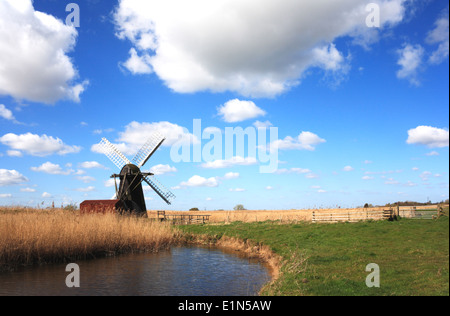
(186, 271)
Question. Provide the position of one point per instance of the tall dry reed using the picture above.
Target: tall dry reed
(36, 237)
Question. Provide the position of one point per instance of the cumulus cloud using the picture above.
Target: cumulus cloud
(265, 124)
(28, 190)
(91, 165)
(11, 177)
(162, 169)
(257, 48)
(431, 137)
(136, 134)
(304, 141)
(34, 64)
(138, 65)
(51, 168)
(439, 36)
(410, 61)
(237, 190)
(237, 111)
(36, 145)
(348, 168)
(6, 114)
(85, 190)
(231, 175)
(198, 181)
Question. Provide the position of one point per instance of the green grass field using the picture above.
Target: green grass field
(331, 259)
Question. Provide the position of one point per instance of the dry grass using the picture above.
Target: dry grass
(50, 236)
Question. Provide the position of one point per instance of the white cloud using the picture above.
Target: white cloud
(253, 47)
(312, 176)
(431, 137)
(6, 114)
(14, 153)
(227, 163)
(265, 124)
(304, 141)
(391, 181)
(198, 181)
(433, 153)
(86, 179)
(136, 135)
(28, 190)
(91, 165)
(51, 168)
(46, 195)
(237, 190)
(367, 162)
(11, 177)
(348, 169)
(231, 175)
(440, 36)
(33, 55)
(110, 183)
(367, 178)
(162, 169)
(293, 170)
(410, 60)
(88, 189)
(138, 64)
(237, 111)
(425, 175)
(269, 188)
(36, 145)
(5, 196)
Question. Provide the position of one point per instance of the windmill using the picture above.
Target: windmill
(130, 192)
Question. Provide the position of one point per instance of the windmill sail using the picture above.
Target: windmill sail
(113, 154)
(165, 194)
(148, 149)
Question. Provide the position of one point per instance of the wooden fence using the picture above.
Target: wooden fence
(183, 219)
(352, 216)
(364, 215)
(413, 213)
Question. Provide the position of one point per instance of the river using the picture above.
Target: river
(182, 271)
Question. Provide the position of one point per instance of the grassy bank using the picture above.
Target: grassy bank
(39, 236)
(330, 259)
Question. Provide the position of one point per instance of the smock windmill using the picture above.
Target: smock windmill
(130, 195)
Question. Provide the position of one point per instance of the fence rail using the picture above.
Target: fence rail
(413, 214)
(351, 216)
(183, 219)
(360, 215)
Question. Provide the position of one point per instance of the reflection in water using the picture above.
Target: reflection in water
(180, 272)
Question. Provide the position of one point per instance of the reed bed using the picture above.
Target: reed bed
(52, 236)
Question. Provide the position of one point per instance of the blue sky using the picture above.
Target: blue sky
(361, 112)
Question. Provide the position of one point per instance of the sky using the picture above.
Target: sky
(281, 104)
